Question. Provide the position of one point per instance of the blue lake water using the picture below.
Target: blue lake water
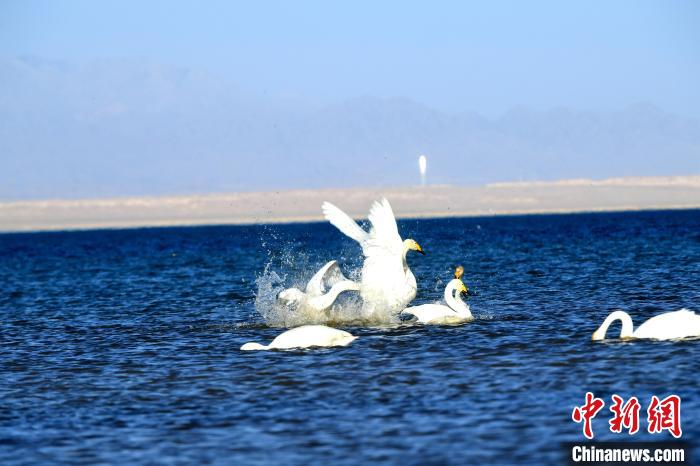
(123, 346)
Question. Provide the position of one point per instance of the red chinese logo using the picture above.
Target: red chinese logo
(661, 414)
(626, 415)
(665, 415)
(587, 412)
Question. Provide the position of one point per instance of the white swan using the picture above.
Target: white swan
(456, 310)
(387, 284)
(670, 325)
(305, 336)
(321, 292)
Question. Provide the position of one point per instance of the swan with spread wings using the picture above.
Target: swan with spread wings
(387, 284)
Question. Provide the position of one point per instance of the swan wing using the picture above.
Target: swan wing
(333, 275)
(326, 276)
(343, 222)
(670, 325)
(383, 239)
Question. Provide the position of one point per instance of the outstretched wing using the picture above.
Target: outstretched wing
(333, 275)
(324, 279)
(384, 239)
(343, 222)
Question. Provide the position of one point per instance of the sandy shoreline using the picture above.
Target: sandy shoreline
(618, 194)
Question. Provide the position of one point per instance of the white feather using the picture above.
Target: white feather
(325, 278)
(384, 239)
(343, 222)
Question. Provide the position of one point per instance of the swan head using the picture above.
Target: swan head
(458, 286)
(461, 287)
(412, 245)
(459, 271)
(599, 334)
(290, 296)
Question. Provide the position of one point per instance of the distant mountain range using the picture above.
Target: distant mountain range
(131, 128)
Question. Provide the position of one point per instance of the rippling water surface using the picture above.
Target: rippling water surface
(123, 346)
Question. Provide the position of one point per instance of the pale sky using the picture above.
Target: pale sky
(455, 56)
(101, 98)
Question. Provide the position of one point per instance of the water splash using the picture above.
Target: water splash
(291, 264)
(289, 267)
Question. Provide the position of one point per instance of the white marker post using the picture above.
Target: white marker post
(423, 166)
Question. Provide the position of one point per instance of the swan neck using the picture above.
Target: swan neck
(627, 329)
(345, 285)
(405, 249)
(449, 295)
(403, 257)
(454, 301)
(329, 298)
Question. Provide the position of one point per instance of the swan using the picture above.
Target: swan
(387, 284)
(320, 292)
(670, 325)
(305, 336)
(456, 310)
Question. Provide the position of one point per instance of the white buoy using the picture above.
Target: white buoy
(423, 166)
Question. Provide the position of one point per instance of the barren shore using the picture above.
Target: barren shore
(615, 194)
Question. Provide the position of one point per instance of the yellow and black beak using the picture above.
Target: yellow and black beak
(419, 249)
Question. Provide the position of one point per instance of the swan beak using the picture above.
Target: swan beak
(419, 249)
(464, 290)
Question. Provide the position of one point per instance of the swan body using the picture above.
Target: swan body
(321, 291)
(306, 336)
(455, 312)
(668, 326)
(387, 284)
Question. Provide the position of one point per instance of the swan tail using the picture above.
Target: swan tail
(253, 347)
(343, 222)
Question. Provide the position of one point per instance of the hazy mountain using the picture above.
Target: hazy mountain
(128, 127)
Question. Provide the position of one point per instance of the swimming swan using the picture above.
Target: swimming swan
(305, 336)
(321, 291)
(667, 326)
(456, 310)
(387, 284)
